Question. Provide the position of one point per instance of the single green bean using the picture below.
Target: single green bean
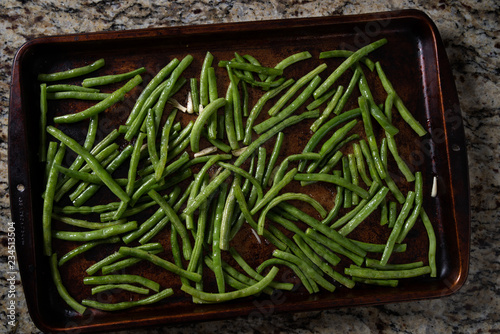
(338, 203)
(48, 201)
(273, 158)
(378, 248)
(207, 62)
(410, 222)
(125, 287)
(125, 305)
(335, 180)
(66, 88)
(78, 96)
(61, 289)
(432, 242)
(125, 278)
(348, 92)
(387, 274)
(109, 79)
(221, 297)
(85, 247)
(72, 73)
(95, 234)
(345, 54)
(375, 264)
(42, 151)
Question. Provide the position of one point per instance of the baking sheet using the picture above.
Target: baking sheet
(414, 60)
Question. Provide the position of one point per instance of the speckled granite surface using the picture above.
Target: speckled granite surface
(470, 31)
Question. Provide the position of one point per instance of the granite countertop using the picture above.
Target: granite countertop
(470, 31)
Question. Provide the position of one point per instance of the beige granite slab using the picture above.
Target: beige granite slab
(470, 31)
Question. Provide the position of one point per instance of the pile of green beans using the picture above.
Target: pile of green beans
(200, 175)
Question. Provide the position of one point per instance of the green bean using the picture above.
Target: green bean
(135, 252)
(279, 116)
(134, 162)
(410, 222)
(328, 110)
(195, 94)
(175, 221)
(369, 161)
(360, 164)
(109, 79)
(213, 95)
(403, 111)
(391, 143)
(85, 247)
(237, 112)
(221, 297)
(125, 287)
(350, 215)
(78, 96)
(125, 278)
(324, 129)
(49, 158)
(287, 197)
(348, 178)
(321, 264)
(151, 138)
(91, 161)
(375, 264)
(146, 93)
(396, 230)
(392, 213)
(384, 213)
(66, 88)
(333, 179)
(221, 126)
(201, 120)
(348, 92)
(378, 248)
(200, 237)
(207, 62)
(363, 103)
(48, 201)
(120, 265)
(288, 61)
(227, 215)
(257, 108)
(103, 233)
(432, 242)
(42, 151)
(85, 223)
(229, 119)
(380, 282)
(387, 274)
(216, 250)
(369, 207)
(353, 59)
(345, 54)
(87, 209)
(354, 175)
(117, 256)
(101, 106)
(334, 246)
(125, 305)
(374, 109)
(72, 73)
(61, 289)
(273, 158)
